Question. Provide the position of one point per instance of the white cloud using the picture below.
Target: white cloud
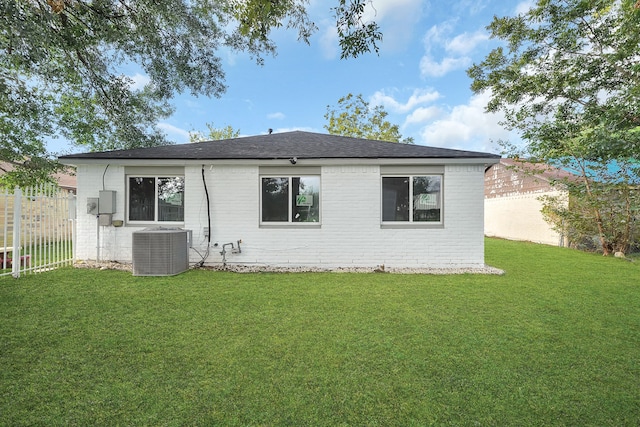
(276, 116)
(396, 19)
(466, 43)
(302, 128)
(457, 48)
(437, 35)
(524, 7)
(472, 7)
(467, 127)
(378, 10)
(422, 115)
(431, 68)
(329, 41)
(419, 96)
(193, 104)
(231, 57)
(139, 81)
(176, 133)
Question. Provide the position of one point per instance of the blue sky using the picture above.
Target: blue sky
(419, 77)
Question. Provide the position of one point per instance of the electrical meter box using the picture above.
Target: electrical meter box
(107, 203)
(92, 205)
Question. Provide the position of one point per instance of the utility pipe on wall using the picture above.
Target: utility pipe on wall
(98, 238)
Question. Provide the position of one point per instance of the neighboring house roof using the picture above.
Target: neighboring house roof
(510, 177)
(65, 179)
(540, 170)
(302, 145)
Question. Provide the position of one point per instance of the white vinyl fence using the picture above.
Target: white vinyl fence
(38, 229)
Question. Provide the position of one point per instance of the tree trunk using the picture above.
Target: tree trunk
(606, 245)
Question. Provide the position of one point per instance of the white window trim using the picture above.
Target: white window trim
(290, 222)
(411, 223)
(155, 176)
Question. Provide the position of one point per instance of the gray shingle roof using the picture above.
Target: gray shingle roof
(303, 145)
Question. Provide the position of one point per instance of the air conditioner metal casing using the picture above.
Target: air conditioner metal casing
(160, 251)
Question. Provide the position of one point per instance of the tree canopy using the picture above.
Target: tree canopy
(568, 73)
(214, 133)
(62, 62)
(567, 77)
(354, 117)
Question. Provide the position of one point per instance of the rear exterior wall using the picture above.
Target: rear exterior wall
(350, 234)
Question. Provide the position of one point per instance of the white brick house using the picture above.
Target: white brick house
(293, 199)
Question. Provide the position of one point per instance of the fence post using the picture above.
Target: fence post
(17, 223)
(71, 204)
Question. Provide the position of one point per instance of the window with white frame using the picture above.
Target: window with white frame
(155, 198)
(412, 199)
(290, 199)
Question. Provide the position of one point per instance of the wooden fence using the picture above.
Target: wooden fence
(38, 229)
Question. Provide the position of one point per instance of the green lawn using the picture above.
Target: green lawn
(44, 254)
(555, 341)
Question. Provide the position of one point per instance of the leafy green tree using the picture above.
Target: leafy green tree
(355, 35)
(354, 117)
(214, 134)
(32, 170)
(600, 206)
(567, 78)
(61, 64)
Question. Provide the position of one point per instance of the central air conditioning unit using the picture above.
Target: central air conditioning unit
(160, 251)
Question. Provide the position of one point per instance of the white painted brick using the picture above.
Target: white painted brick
(350, 234)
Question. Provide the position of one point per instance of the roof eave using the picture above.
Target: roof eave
(305, 161)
